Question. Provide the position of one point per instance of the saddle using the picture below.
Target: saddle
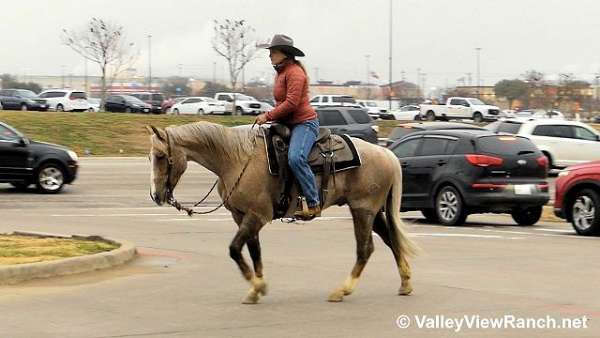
(330, 154)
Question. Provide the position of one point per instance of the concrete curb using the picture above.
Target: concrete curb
(22, 272)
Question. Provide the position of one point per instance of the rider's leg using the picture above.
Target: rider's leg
(302, 140)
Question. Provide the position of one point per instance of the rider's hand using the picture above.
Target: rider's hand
(261, 119)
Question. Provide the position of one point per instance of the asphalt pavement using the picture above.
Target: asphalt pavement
(183, 284)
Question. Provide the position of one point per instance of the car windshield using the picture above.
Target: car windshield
(243, 97)
(28, 94)
(133, 99)
(8, 134)
(476, 101)
(371, 104)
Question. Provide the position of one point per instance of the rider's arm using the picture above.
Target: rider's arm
(295, 81)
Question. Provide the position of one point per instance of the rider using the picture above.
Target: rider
(293, 109)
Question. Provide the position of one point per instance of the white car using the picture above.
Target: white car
(460, 108)
(66, 99)
(405, 113)
(198, 105)
(244, 104)
(334, 100)
(373, 109)
(94, 104)
(563, 142)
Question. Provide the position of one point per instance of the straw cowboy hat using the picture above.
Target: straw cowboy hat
(283, 43)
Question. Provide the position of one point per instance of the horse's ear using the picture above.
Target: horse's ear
(159, 133)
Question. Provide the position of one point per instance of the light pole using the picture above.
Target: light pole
(418, 83)
(390, 59)
(214, 72)
(368, 72)
(150, 62)
(478, 50)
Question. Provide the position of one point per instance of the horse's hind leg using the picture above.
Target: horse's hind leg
(380, 227)
(363, 223)
(248, 234)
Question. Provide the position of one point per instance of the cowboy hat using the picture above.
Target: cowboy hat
(283, 43)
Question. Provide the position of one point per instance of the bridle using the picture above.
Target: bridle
(170, 198)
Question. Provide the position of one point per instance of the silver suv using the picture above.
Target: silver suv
(352, 121)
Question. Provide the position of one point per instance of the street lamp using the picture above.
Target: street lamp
(478, 51)
(390, 58)
(149, 62)
(368, 72)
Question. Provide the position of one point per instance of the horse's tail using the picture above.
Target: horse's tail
(401, 244)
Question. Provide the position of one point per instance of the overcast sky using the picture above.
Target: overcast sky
(437, 36)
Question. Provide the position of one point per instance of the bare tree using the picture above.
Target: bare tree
(233, 40)
(103, 43)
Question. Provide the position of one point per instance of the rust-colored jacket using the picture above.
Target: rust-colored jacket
(291, 96)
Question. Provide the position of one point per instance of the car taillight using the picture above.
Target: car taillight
(542, 161)
(488, 186)
(484, 160)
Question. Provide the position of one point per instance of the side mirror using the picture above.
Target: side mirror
(23, 141)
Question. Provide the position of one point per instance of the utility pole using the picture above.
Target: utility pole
(149, 62)
(62, 75)
(214, 72)
(478, 50)
(317, 74)
(368, 71)
(469, 79)
(418, 82)
(390, 58)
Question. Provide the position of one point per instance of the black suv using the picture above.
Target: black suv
(155, 100)
(24, 162)
(449, 174)
(21, 99)
(348, 120)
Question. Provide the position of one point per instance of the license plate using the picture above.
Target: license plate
(523, 189)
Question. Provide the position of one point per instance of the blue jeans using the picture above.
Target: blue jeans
(302, 140)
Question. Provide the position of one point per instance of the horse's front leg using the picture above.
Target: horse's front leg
(248, 234)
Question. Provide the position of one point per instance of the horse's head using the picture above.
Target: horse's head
(168, 162)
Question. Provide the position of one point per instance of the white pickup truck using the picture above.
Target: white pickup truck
(460, 108)
(244, 104)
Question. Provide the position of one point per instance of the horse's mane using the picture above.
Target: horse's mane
(218, 140)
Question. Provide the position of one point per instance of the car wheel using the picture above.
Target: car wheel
(477, 117)
(50, 178)
(176, 111)
(430, 215)
(585, 212)
(200, 111)
(60, 107)
(430, 116)
(417, 117)
(528, 216)
(239, 111)
(91, 110)
(449, 206)
(128, 110)
(24, 107)
(20, 185)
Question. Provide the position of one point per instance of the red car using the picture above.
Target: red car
(578, 197)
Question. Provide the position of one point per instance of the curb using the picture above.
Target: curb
(22, 272)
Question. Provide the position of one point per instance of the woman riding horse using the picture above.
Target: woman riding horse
(294, 110)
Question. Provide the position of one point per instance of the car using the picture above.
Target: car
(564, 142)
(168, 103)
(596, 119)
(334, 100)
(65, 99)
(244, 104)
(460, 108)
(155, 100)
(413, 127)
(24, 162)
(405, 113)
(198, 105)
(21, 99)
(449, 174)
(126, 104)
(352, 121)
(372, 108)
(539, 114)
(577, 197)
(94, 104)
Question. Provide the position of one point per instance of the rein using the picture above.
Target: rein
(190, 210)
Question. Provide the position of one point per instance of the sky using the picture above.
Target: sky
(439, 37)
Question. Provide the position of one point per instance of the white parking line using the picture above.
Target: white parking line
(554, 230)
(462, 235)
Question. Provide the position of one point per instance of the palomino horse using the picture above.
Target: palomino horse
(372, 191)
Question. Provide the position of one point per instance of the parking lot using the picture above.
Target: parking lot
(184, 284)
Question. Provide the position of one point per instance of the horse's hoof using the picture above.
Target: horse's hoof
(261, 288)
(405, 290)
(336, 296)
(251, 298)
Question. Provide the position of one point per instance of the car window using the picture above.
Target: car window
(315, 99)
(77, 95)
(433, 146)
(584, 134)
(505, 145)
(56, 94)
(157, 97)
(345, 99)
(223, 97)
(554, 131)
(407, 148)
(325, 99)
(360, 116)
(331, 118)
(26, 93)
(455, 102)
(191, 101)
(7, 134)
(509, 127)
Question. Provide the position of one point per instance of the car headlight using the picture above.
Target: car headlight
(563, 173)
(73, 155)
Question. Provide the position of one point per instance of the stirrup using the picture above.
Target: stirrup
(304, 213)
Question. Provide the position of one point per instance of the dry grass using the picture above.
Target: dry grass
(16, 249)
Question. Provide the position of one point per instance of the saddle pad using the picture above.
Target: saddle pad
(345, 154)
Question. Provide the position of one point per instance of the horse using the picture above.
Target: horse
(239, 159)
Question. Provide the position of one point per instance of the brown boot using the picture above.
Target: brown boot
(309, 213)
